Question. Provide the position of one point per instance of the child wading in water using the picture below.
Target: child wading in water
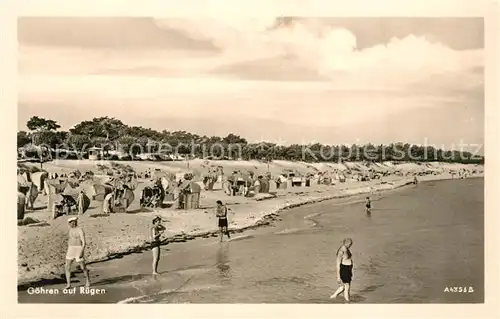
(156, 231)
(368, 205)
(222, 219)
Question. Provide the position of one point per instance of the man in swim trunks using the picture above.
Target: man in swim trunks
(156, 231)
(76, 246)
(344, 269)
(368, 205)
(222, 219)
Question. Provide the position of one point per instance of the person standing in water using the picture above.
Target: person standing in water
(222, 219)
(344, 270)
(76, 247)
(156, 231)
(368, 205)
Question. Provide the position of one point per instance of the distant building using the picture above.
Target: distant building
(96, 153)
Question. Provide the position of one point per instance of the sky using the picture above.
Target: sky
(285, 80)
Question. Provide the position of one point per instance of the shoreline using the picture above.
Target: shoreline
(274, 206)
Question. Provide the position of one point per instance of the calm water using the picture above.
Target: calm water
(417, 242)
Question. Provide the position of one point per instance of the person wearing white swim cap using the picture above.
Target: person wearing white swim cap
(76, 247)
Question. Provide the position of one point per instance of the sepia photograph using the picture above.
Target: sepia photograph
(262, 160)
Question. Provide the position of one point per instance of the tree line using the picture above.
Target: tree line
(112, 133)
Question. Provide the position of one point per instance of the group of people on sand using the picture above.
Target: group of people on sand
(240, 185)
(68, 205)
(77, 244)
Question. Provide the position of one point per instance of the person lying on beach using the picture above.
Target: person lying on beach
(156, 231)
(76, 247)
(344, 269)
(221, 213)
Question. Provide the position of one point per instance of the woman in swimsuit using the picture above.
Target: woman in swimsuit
(344, 269)
(156, 232)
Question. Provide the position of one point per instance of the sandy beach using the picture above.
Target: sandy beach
(42, 245)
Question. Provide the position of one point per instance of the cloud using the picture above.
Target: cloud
(328, 51)
(311, 76)
(55, 60)
(104, 32)
(270, 69)
(264, 48)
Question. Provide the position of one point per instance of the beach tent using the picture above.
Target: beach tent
(264, 185)
(83, 203)
(122, 200)
(182, 174)
(160, 174)
(31, 194)
(38, 179)
(409, 167)
(21, 205)
(380, 168)
(103, 179)
(388, 164)
(185, 194)
(21, 181)
(75, 174)
(99, 191)
(58, 200)
(131, 182)
(54, 187)
(192, 199)
(337, 166)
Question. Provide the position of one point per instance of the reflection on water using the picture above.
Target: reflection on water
(222, 263)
